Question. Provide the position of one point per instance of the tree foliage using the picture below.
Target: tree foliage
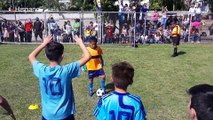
(87, 5)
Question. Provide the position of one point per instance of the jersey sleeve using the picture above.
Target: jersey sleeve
(140, 114)
(100, 51)
(37, 67)
(73, 69)
(99, 111)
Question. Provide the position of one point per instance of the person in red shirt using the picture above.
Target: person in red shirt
(28, 29)
(109, 34)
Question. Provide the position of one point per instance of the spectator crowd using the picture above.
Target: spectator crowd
(133, 22)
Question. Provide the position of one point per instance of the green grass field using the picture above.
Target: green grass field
(160, 81)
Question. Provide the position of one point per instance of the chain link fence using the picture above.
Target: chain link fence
(109, 27)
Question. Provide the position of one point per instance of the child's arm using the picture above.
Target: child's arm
(86, 54)
(102, 60)
(34, 53)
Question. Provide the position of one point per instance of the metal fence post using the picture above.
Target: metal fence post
(15, 15)
(134, 29)
(82, 26)
(190, 23)
(100, 27)
(45, 23)
(80, 15)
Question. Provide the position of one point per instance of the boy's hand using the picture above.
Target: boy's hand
(47, 40)
(78, 39)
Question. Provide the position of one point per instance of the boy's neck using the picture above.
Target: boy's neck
(120, 90)
(53, 64)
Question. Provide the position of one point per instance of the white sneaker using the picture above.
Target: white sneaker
(198, 41)
(192, 41)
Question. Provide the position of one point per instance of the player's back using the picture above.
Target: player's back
(120, 106)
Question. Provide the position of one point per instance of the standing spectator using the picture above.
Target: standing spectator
(138, 28)
(169, 21)
(110, 29)
(57, 34)
(211, 29)
(194, 32)
(93, 33)
(16, 34)
(186, 21)
(64, 26)
(131, 13)
(5, 25)
(185, 34)
(164, 18)
(21, 31)
(126, 12)
(138, 10)
(87, 34)
(131, 32)
(124, 33)
(51, 24)
(109, 34)
(1, 34)
(198, 13)
(69, 31)
(38, 28)
(192, 10)
(121, 13)
(155, 19)
(28, 29)
(144, 10)
(76, 27)
(11, 31)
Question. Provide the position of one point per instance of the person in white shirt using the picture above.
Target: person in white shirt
(198, 13)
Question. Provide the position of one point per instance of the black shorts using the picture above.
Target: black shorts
(176, 40)
(38, 34)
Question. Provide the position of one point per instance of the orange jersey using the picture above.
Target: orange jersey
(176, 31)
(95, 62)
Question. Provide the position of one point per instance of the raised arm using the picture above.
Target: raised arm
(86, 55)
(34, 53)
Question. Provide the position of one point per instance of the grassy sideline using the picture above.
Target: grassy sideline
(160, 81)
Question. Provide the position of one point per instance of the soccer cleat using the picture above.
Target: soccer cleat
(174, 55)
(90, 93)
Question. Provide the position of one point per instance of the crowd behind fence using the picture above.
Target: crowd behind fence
(108, 27)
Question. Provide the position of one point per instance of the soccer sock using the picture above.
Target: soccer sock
(175, 50)
(103, 84)
(90, 86)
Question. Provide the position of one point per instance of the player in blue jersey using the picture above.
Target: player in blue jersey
(55, 80)
(120, 105)
(200, 105)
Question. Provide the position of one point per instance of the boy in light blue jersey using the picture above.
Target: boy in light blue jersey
(55, 80)
(120, 105)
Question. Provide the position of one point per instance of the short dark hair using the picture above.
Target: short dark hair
(201, 101)
(54, 51)
(93, 39)
(122, 74)
(201, 88)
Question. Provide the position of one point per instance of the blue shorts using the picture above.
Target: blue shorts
(71, 117)
(95, 73)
